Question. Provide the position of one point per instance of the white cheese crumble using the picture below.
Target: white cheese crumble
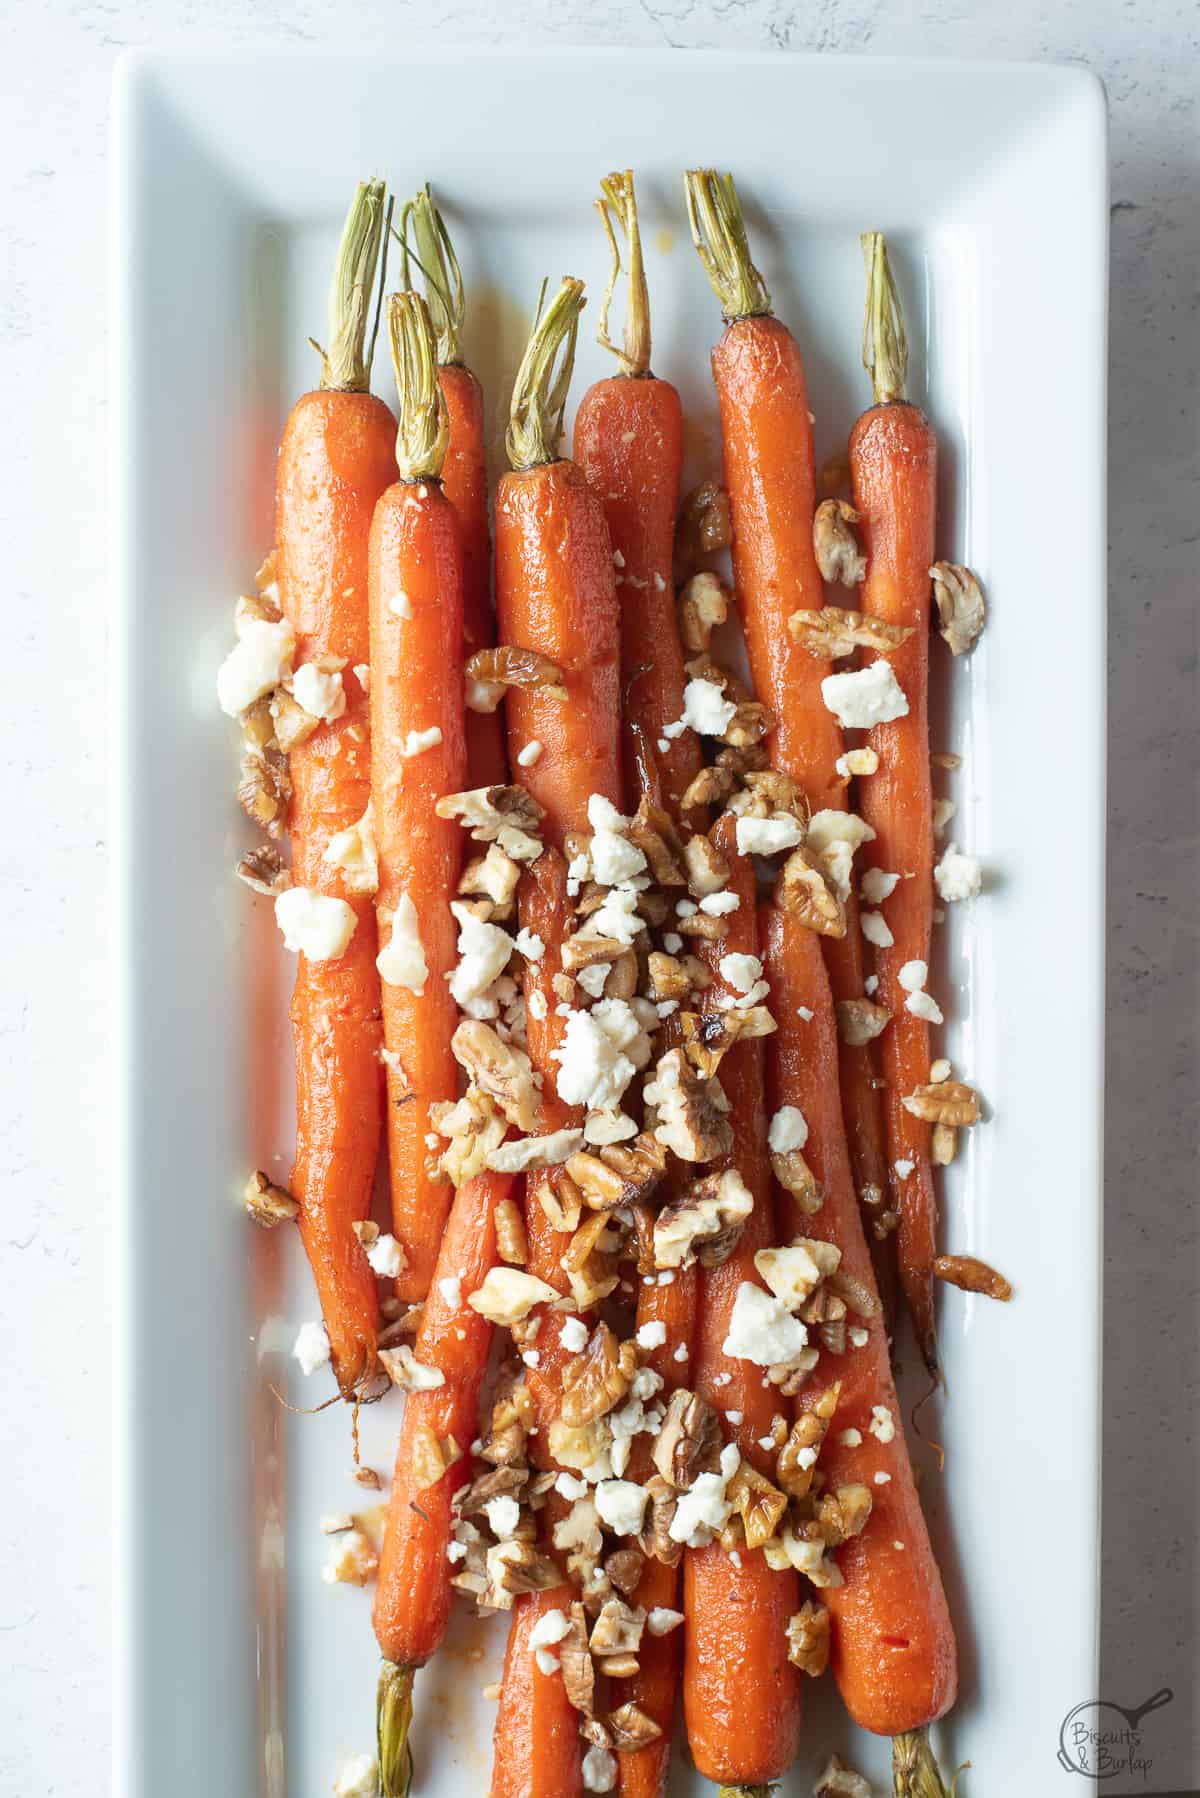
(859, 1337)
(661, 1620)
(503, 1515)
(566, 1484)
(789, 1130)
(450, 1287)
(260, 659)
(484, 951)
(882, 1479)
(833, 837)
(314, 924)
(850, 1438)
(573, 1335)
(705, 710)
(672, 942)
(871, 985)
(530, 755)
(882, 1425)
(704, 1508)
(923, 1005)
(762, 1329)
(401, 961)
(719, 905)
(418, 741)
(767, 836)
(876, 930)
(957, 876)
(538, 1006)
(529, 944)
(524, 1152)
(681, 1353)
(652, 1335)
(741, 972)
(400, 605)
(802, 1011)
(386, 1257)
(943, 811)
(903, 1168)
(913, 975)
(599, 1770)
(617, 917)
(621, 1505)
(362, 674)
(865, 696)
(321, 695)
(353, 851)
(614, 859)
(877, 884)
(602, 1050)
(550, 1628)
(592, 978)
(358, 1778)
(311, 1347)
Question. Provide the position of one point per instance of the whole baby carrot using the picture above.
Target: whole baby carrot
(336, 457)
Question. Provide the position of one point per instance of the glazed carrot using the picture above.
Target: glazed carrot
(413, 1597)
(767, 438)
(629, 443)
(555, 591)
(464, 476)
(336, 457)
(418, 754)
(892, 1642)
(893, 470)
(537, 1751)
(741, 1695)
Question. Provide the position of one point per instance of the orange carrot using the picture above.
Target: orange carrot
(741, 1695)
(893, 469)
(537, 1730)
(418, 755)
(629, 443)
(767, 438)
(464, 476)
(555, 591)
(336, 457)
(413, 1597)
(893, 1649)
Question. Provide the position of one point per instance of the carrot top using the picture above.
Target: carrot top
(915, 1772)
(719, 234)
(393, 1715)
(346, 364)
(424, 431)
(539, 396)
(617, 193)
(432, 251)
(885, 346)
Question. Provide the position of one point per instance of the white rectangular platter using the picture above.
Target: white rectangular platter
(239, 1671)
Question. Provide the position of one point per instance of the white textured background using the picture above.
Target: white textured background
(55, 67)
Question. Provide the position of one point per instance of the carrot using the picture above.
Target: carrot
(464, 476)
(770, 474)
(413, 1597)
(629, 443)
(418, 754)
(336, 457)
(741, 1695)
(537, 1730)
(555, 591)
(893, 469)
(893, 1649)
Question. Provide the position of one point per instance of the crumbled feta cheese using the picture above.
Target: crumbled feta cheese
(450, 1287)
(546, 1662)
(734, 1417)
(903, 1168)
(957, 876)
(922, 1005)
(484, 951)
(311, 1347)
(705, 710)
(401, 961)
(530, 944)
(314, 924)
(834, 837)
(538, 1006)
(321, 695)
(741, 972)
(530, 755)
(859, 1338)
(661, 1620)
(621, 1505)
(877, 884)
(681, 1353)
(352, 1560)
(793, 1273)
(802, 1011)
(850, 1438)
(362, 674)
(882, 1425)
(943, 811)
(704, 1508)
(399, 605)
(532, 1357)
(767, 836)
(601, 1052)
(503, 1515)
(614, 859)
(359, 1778)
(566, 1484)
(652, 1335)
(353, 851)
(386, 1257)
(418, 741)
(875, 929)
(550, 1628)
(672, 942)
(573, 1334)
(592, 978)
(857, 761)
(865, 696)
(882, 1479)
(599, 1770)
(617, 917)
(719, 905)
(686, 908)
(913, 975)
(871, 984)
(260, 659)
(789, 1130)
(762, 1329)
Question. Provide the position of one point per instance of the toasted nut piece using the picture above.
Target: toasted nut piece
(507, 1295)
(690, 1117)
(944, 1102)
(619, 1666)
(618, 1629)
(507, 666)
(475, 1129)
(511, 1241)
(959, 600)
(506, 815)
(808, 1639)
(560, 1199)
(267, 1203)
(428, 1461)
(861, 1021)
(596, 1381)
(698, 975)
(704, 525)
(496, 875)
(624, 1569)
(833, 1335)
(775, 791)
(703, 605)
(515, 1567)
(945, 758)
(505, 1481)
(708, 1036)
(564, 988)
(293, 725)
(589, 1264)
(750, 724)
(857, 1294)
(759, 1503)
(367, 1476)
(582, 951)
(797, 1458)
(595, 1732)
(405, 1371)
(834, 544)
(803, 890)
(258, 727)
(667, 976)
(622, 981)
(712, 786)
(832, 633)
(630, 1728)
(689, 1441)
(703, 925)
(578, 1674)
(655, 1539)
(640, 1164)
(707, 869)
(264, 870)
(795, 1176)
(264, 789)
(943, 1145)
(859, 761)
(705, 1221)
(602, 1188)
(840, 1781)
(498, 1069)
(972, 1275)
(843, 1514)
(652, 830)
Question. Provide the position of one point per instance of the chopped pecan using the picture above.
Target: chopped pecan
(759, 1504)
(707, 869)
(704, 925)
(797, 1458)
(631, 1729)
(795, 1176)
(860, 1021)
(652, 830)
(943, 1145)
(560, 1199)
(590, 1261)
(506, 666)
(704, 525)
(705, 1221)
(267, 1203)
(690, 1117)
(857, 1294)
(264, 870)
(750, 724)
(624, 1569)
(712, 786)
(689, 1441)
(517, 1566)
(804, 890)
(972, 1275)
(405, 1371)
(618, 1629)
(512, 1244)
(495, 875)
(502, 1482)
(583, 951)
(773, 791)
(655, 1539)
(667, 976)
(594, 1382)
(578, 1674)
(506, 815)
(428, 1461)
(475, 1129)
(708, 1036)
(619, 1666)
(840, 1781)
(507, 1295)
(843, 1514)
(703, 604)
(808, 1638)
(835, 546)
(832, 633)
(959, 600)
(293, 725)
(499, 1069)
(265, 788)
(950, 1102)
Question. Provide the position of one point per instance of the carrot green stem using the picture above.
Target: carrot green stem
(746, 1791)
(719, 234)
(433, 253)
(540, 391)
(346, 366)
(617, 192)
(424, 430)
(915, 1772)
(393, 1720)
(885, 347)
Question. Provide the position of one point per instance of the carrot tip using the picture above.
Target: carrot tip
(393, 1720)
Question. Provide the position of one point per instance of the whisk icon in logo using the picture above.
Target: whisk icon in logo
(1099, 1738)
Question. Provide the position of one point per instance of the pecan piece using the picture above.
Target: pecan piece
(618, 1629)
(703, 604)
(264, 870)
(578, 1674)
(704, 1222)
(950, 1102)
(652, 830)
(760, 1504)
(499, 1069)
(624, 1569)
(507, 666)
(690, 1115)
(596, 1381)
(959, 600)
(689, 1441)
(804, 890)
(833, 633)
(708, 1036)
(267, 1203)
(797, 1458)
(972, 1275)
(843, 1514)
(834, 544)
(704, 525)
(860, 1021)
(630, 1728)
(808, 1639)
(795, 1176)
(655, 1539)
